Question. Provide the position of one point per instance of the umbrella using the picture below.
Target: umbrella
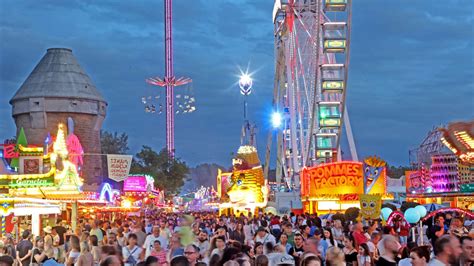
(433, 207)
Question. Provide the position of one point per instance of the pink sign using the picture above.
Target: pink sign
(135, 183)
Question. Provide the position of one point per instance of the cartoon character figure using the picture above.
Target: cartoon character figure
(247, 177)
(373, 168)
(370, 206)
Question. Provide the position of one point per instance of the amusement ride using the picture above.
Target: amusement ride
(312, 49)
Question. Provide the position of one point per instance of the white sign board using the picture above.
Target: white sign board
(119, 166)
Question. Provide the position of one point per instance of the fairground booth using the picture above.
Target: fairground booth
(138, 192)
(446, 176)
(40, 184)
(337, 186)
(244, 190)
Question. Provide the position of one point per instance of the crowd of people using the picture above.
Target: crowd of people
(209, 239)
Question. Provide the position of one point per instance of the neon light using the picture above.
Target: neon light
(59, 146)
(107, 188)
(464, 138)
(396, 214)
(75, 150)
(40, 182)
(32, 176)
(30, 149)
(141, 183)
(447, 144)
(462, 211)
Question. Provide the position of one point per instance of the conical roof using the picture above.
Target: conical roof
(58, 75)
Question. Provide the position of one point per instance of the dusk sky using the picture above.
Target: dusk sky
(411, 67)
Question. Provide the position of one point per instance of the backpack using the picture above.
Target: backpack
(131, 260)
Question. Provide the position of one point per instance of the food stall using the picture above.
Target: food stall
(333, 187)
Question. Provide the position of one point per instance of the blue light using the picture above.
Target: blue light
(276, 120)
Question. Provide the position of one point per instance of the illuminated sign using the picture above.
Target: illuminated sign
(341, 178)
(333, 178)
(30, 182)
(9, 151)
(135, 183)
(138, 183)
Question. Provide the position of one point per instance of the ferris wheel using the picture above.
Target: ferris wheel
(312, 41)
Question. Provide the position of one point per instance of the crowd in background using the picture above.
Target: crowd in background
(266, 239)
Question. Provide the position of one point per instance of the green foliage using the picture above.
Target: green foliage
(20, 140)
(406, 205)
(169, 174)
(388, 205)
(396, 172)
(113, 143)
(351, 214)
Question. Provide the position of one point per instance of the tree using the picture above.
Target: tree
(396, 172)
(112, 144)
(169, 174)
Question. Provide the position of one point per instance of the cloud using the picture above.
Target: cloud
(411, 66)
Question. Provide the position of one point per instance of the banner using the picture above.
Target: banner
(119, 166)
(370, 206)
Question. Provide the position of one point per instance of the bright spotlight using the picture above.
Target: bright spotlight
(276, 119)
(245, 84)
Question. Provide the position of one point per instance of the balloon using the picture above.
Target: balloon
(412, 216)
(421, 210)
(386, 213)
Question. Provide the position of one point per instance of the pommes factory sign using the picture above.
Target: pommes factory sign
(333, 178)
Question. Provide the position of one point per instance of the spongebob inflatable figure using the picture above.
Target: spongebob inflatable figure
(370, 206)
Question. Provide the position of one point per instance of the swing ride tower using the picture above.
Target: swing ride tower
(169, 81)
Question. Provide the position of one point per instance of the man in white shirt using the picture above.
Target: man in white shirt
(374, 240)
(150, 240)
(202, 242)
(264, 237)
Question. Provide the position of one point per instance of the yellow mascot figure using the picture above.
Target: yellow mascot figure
(370, 206)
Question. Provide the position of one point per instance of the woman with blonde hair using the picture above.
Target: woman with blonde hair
(334, 257)
(85, 258)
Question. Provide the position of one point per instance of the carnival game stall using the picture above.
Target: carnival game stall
(138, 193)
(202, 201)
(337, 186)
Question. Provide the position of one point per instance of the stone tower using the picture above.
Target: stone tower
(59, 88)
